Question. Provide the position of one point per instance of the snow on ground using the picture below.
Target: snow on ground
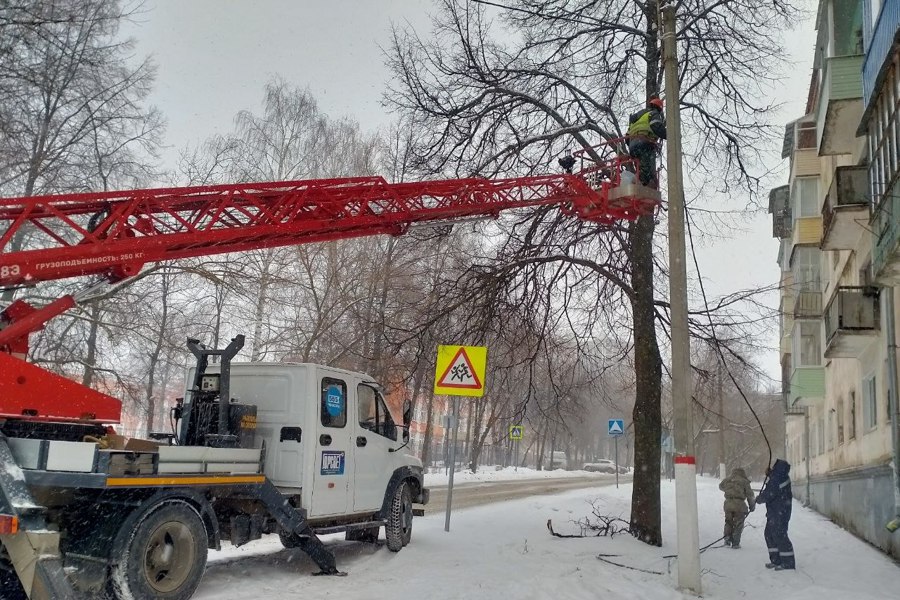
(504, 551)
(494, 473)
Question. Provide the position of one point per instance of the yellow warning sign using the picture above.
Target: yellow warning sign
(460, 370)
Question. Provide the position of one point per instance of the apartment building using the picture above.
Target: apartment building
(838, 224)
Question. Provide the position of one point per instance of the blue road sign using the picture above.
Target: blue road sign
(616, 427)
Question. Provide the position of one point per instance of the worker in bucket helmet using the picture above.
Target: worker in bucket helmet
(645, 129)
(777, 497)
(739, 502)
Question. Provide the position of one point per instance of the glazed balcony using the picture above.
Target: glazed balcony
(852, 321)
(845, 212)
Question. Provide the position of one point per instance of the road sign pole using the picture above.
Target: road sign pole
(516, 457)
(617, 462)
(452, 461)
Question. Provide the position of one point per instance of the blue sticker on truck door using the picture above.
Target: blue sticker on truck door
(334, 400)
(332, 463)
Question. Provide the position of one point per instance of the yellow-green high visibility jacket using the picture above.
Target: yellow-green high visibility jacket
(647, 123)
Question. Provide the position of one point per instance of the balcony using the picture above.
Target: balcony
(879, 43)
(808, 305)
(852, 321)
(800, 144)
(807, 383)
(840, 104)
(886, 229)
(845, 213)
(780, 208)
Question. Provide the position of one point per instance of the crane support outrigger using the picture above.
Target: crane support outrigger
(73, 513)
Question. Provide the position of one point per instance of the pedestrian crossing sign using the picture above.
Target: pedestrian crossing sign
(616, 427)
(460, 370)
(516, 432)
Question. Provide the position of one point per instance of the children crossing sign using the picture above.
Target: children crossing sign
(516, 432)
(616, 427)
(460, 370)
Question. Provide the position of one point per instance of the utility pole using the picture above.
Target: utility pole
(685, 462)
(721, 416)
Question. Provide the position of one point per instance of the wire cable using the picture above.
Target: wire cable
(717, 344)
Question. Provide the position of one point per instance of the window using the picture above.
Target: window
(848, 19)
(883, 131)
(870, 403)
(840, 421)
(852, 433)
(806, 267)
(373, 413)
(334, 402)
(807, 342)
(805, 197)
(806, 135)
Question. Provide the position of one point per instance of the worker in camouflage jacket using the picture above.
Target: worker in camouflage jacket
(739, 501)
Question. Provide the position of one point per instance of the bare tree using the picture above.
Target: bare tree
(566, 72)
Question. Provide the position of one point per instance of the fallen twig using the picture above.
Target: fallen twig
(601, 557)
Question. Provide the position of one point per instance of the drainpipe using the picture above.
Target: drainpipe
(894, 525)
(808, 458)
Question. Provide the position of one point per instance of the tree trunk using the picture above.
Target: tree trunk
(429, 432)
(154, 354)
(90, 359)
(647, 417)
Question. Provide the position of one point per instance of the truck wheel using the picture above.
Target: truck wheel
(164, 557)
(398, 529)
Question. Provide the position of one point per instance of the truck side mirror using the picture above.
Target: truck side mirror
(407, 413)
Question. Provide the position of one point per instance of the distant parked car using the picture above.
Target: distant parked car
(603, 466)
(557, 461)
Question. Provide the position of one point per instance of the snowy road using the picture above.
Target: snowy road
(477, 494)
(503, 550)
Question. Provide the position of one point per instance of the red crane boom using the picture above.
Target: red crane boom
(114, 234)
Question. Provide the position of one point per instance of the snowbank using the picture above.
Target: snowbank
(504, 551)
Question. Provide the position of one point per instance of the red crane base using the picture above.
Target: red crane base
(28, 391)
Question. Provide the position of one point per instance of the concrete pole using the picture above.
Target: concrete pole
(722, 473)
(685, 462)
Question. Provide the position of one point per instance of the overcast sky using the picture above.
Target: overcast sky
(215, 56)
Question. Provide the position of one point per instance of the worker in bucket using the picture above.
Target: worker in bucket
(645, 129)
(777, 497)
(739, 502)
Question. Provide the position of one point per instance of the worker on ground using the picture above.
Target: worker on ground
(777, 497)
(739, 502)
(645, 129)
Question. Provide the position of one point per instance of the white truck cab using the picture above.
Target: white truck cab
(331, 443)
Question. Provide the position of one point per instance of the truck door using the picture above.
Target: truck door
(334, 452)
(376, 434)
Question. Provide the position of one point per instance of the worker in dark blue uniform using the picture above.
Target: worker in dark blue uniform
(777, 497)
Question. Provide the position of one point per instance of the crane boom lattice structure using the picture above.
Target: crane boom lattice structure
(112, 235)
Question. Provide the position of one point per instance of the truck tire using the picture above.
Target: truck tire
(164, 557)
(398, 528)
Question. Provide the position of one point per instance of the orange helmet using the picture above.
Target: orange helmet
(657, 102)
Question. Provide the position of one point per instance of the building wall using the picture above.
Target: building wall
(861, 501)
(841, 463)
